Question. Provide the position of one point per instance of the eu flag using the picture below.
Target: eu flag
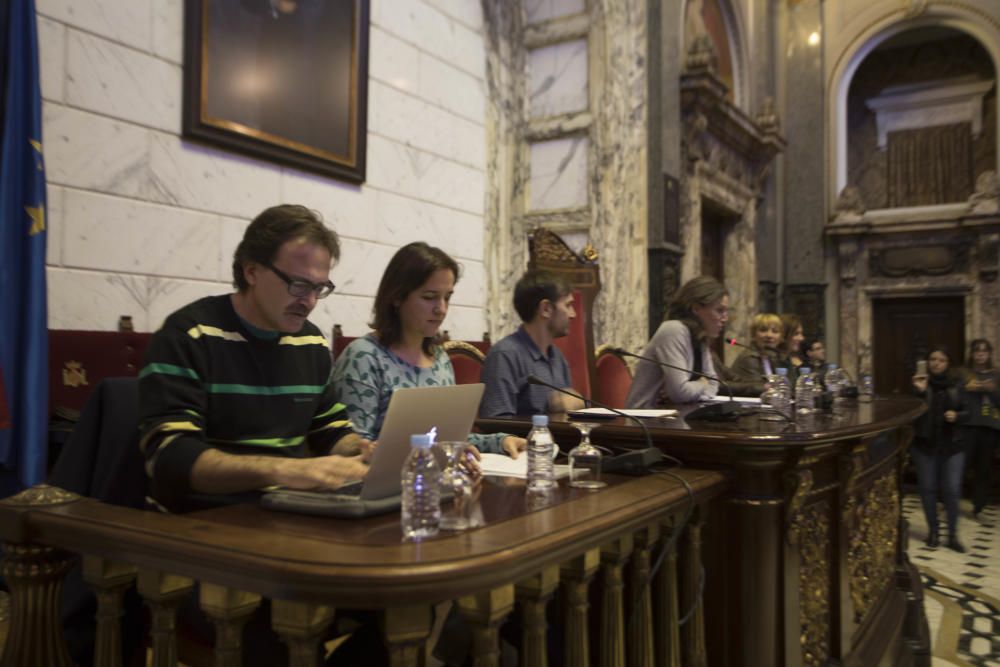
(23, 325)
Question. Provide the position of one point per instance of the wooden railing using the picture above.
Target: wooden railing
(595, 550)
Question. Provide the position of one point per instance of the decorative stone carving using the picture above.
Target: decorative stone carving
(695, 139)
(986, 198)
(849, 207)
(937, 260)
(767, 119)
(914, 8)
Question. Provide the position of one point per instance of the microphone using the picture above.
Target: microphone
(733, 341)
(712, 412)
(643, 458)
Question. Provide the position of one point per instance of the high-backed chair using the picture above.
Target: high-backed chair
(466, 359)
(614, 377)
(550, 253)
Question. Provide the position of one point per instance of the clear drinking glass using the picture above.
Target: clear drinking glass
(456, 488)
(585, 460)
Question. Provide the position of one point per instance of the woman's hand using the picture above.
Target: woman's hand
(950, 416)
(470, 461)
(513, 445)
(920, 382)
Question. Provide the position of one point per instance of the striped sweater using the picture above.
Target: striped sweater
(209, 381)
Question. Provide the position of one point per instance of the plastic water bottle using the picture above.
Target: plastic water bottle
(540, 472)
(866, 389)
(421, 511)
(805, 391)
(835, 383)
(785, 389)
(772, 398)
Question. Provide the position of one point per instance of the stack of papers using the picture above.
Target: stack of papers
(502, 465)
(604, 412)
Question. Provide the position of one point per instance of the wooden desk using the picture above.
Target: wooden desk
(807, 563)
(308, 566)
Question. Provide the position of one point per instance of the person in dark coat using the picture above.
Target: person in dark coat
(982, 382)
(938, 450)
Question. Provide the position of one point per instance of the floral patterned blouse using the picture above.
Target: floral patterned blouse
(366, 373)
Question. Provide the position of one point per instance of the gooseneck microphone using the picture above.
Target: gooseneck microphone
(532, 379)
(715, 411)
(733, 341)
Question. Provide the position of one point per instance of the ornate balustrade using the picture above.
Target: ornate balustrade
(596, 551)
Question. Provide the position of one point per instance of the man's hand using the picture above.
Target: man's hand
(353, 444)
(513, 445)
(560, 403)
(321, 472)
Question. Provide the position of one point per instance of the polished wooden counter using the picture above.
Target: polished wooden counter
(525, 546)
(806, 564)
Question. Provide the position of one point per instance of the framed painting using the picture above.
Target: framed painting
(281, 80)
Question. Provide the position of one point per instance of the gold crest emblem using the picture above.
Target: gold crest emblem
(74, 374)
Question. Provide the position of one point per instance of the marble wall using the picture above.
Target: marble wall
(567, 146)
(142, 222)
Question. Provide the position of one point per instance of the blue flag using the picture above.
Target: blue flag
(23, 316)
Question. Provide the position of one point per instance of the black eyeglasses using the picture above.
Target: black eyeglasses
(300, 288)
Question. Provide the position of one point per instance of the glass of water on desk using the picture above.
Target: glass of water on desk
(456, 488)
(585, 460)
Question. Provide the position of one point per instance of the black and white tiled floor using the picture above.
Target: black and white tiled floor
(961, 591)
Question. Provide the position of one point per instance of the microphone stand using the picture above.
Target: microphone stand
(712, 412)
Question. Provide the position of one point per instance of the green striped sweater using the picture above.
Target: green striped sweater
(209, 381)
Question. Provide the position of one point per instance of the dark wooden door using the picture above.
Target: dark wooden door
(905, 329)
(715, 226)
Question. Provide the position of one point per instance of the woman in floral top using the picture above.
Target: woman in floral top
(410, 306)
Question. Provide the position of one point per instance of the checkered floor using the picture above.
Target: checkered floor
(961, 591)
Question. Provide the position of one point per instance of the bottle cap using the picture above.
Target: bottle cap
(831, 366)
(804, 370)
(539, 420)
(781, 371)
(422, 440)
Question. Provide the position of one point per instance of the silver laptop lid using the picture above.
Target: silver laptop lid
(451, 410)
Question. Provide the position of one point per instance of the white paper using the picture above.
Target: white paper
(502, 465)
(604, 412)
(742, 400)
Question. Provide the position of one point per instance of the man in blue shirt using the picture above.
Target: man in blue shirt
(544, 302)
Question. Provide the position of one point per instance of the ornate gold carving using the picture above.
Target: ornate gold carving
(851, 466)
(872, 544)
(464, 348)
(801, 482)
(547, 247)
(814, 583)
(41, 495)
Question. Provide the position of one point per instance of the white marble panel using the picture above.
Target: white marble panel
(402, 220)
(348, 209)
(206, 179)
(52, 58)
(392, 61)
(121, 82)
(168, 30)
(406, 119)
(468, 12)
(351, 312)
(231, 232)
(452, 89)
(557, 78)
(471, 287)
(409, 171)
(85, 150)
(537, 11)
(95, 300)
(432, 31)
(130, 236)
(465, 323)
(558, 173)
(125, 21)
(54, 225)
(361, 266)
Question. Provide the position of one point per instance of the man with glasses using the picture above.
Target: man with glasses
(234, 394)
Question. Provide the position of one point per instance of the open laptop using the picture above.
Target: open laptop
(450, 410)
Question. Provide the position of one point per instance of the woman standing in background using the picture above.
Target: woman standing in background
(981, 382)
(938, 449)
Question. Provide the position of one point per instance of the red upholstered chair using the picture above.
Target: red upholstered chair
(550, 253)
(614, 377)
(78, 360)
(466, 359)
(338, 341)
